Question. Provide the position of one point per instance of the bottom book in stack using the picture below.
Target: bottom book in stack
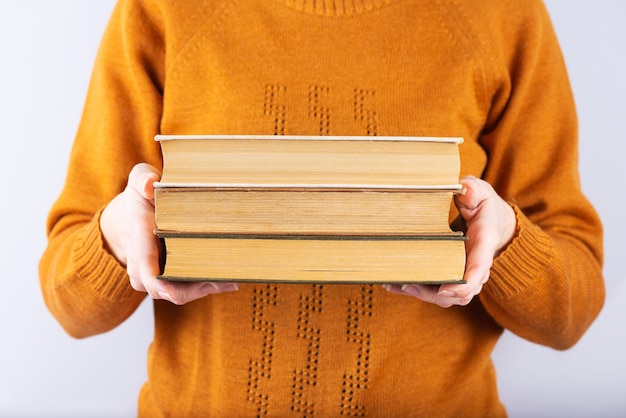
(321, 259)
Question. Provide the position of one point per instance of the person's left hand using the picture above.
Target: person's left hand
(491, 225)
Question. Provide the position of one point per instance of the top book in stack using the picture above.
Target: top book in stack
(310, 161)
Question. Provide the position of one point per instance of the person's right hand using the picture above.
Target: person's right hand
(128, 225)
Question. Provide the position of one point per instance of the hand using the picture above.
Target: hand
(128, 225)
(491, 226)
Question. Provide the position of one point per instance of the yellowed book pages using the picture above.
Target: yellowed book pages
(315, 259)
(309, 161)
(303, 211)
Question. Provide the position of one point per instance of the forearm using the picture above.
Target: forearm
(83, 285)
(546, 287)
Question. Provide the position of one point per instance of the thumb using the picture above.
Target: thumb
(142, 178)
(471, 194)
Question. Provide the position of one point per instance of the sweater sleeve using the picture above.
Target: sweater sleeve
(547, 286)
(84, 286)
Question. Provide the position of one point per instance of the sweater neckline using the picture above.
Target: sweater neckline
(334, 7)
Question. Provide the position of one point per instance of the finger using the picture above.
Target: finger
(426, 293)
(142, 245)
(462, 294)
(422, 292)
(144, 258)
(393, 288)
(480, 204)
(479, 259)
(181, 293)
(143, 248)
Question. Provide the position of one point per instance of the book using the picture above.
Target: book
(319, 259)
(303, 211)
(309, 161)
(299, 209)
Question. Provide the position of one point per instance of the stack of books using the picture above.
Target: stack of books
(320, 209)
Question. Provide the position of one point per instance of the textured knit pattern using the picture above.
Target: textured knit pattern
(489, 71)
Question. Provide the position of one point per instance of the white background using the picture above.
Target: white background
(47, 49)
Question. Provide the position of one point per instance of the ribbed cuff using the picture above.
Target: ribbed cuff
(524, 261)
(98, 267)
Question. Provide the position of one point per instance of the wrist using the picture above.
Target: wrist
(509, 227)
(109, 228)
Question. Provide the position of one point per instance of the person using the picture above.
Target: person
(489, 71)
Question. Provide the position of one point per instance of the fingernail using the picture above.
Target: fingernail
(164, 295)
(231, 287)
(446, 293)
(410, 289)
(208, 288)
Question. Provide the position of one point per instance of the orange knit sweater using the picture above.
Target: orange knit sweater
(489, 71)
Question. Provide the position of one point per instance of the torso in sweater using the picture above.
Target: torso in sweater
(386, 68)
(488, 71)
